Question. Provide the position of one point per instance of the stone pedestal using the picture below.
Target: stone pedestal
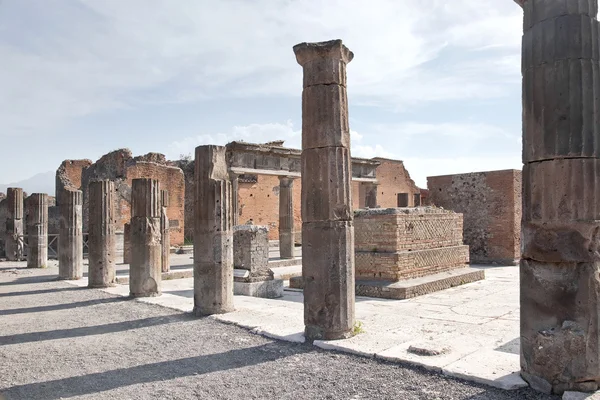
(146, 247)
(327, 228)
(560, 266)
(37, 230)
(13, 241)
(102, 234)
(165, 232)
(252, 276)
(70, 236)
(286, 218)
(368, 195)
(213, 235)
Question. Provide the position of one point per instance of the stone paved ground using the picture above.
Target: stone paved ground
(61, 341)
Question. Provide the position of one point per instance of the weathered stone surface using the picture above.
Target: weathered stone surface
(251, 252)
(165, 232)
(70, 237)
(127, 243)
(13, 241)
(101, 239)
(286, 218)
(265, 289)
(326, 121)
(213, 235)
(324, 63)
(37, 230)
(146, 248)
(537, 11)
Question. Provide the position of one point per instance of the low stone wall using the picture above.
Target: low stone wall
(404, 243)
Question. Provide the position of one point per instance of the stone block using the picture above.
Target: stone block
(266, 289)
(325, 117)
(251, 250)
(326, 185)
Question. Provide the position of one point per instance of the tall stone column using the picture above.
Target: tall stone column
(327, 227)
(13, 242)
(70, 235)
(37, 230)
(102, 233)
(286, 217)
(165, 238)
(213, 234)
(368, 195)
(235, 200)
(127, 243)
(146, 247)
(560, 266)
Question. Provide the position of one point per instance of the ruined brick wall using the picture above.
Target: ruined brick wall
(69, 175)
(393, 178)
(405, 243)
(491, 205)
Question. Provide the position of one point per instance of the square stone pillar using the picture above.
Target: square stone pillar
(235, 199)
(213, 235)
(165, 232)
(146, 247)
(13, 241)
(70, 235)
(560, 266)
(286, 217)
(368, 195)
(102, 233)
(37, 230)
(327, 227)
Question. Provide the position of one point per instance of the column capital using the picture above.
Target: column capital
(324, 63)
(308, 52)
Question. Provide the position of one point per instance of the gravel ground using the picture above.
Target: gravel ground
(59, 341)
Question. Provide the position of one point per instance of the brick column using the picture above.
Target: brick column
(165, 239)
(213, 235)
(102, 233)
(368, 195)
(13, 242)
(560, 268)
(70, 235)
(146, 247)
(37, 230)
(327, 227)
(235, 200)
(286, 217)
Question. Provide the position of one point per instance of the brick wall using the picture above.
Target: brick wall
(491, 205)
(69, 175)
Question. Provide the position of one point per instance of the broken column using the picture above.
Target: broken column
(14, 225)
(70, 235)
(146, 247)
(37, 230)
(102, 234)
(286, 217)
(165, 238)
(560, 266)
(213, 236)
(368, 195)
(252, 276)
(327, 228)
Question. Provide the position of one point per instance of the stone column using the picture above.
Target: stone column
(13, 242)
(368, 195)
(213, 235)
(286, 217)
(165, 238)
(70, 235)
(327, 227)
(37, 230)
(235, 200)
(146, 247)
(127, 243)
(102, 233)
(560, 266)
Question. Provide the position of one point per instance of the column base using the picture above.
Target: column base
(312, 332)
(270, 289)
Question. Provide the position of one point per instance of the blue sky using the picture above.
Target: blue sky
(435, 83)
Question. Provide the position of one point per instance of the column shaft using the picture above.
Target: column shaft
(37, 230)
(327, 228)
(235, 200)
(13, 241)
(165, 232)
(560, 289)
(70, 236)
(286, 217)
(102, 233)
(146, 246)
(213, 234)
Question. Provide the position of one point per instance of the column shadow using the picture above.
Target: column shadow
(43, 291)
(63, 306)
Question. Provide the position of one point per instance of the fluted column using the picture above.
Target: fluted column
(146, 247)
(13, 241)
(560, 267)
(165, 232)
(327, 227)
(213, 234)
(234, 198)
(102, 233)
(70, 236)
(286, 217)
(37, 230)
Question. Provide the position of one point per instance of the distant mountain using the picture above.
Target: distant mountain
(39, 183)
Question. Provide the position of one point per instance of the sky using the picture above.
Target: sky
(435, 83)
